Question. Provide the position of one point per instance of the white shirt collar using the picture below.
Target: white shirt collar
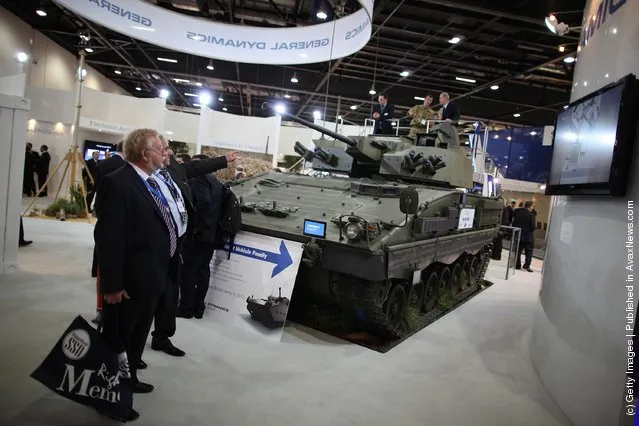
(140, 172)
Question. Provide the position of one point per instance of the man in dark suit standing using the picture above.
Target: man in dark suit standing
(137, 248)
(507, 214)
(449, 110)
(382, 114)
(30, 163)
(173, 179)
(42, 169)
(525, 220)
(198, 248)
(92, 169)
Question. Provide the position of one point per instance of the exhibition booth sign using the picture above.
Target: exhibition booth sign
(277, 46)
(251, 287)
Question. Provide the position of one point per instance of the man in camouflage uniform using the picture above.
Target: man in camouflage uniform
(421, 114)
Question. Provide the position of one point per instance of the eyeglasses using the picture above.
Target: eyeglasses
(161, 151)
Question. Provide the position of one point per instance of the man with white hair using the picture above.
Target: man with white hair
(449, 111)
(136, 240)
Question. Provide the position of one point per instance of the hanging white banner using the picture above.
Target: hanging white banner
(235, 43)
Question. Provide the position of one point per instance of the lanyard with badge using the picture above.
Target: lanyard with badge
(177, 197)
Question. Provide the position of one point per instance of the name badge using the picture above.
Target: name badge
(181, 207)
(423, 122)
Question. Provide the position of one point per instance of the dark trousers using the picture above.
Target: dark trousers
(166, 312)
(90, 193)
(528, 248)
(94, 263)
(196, 273)
(21, 238)
(28, 182)
(126, 326)
(42, 179)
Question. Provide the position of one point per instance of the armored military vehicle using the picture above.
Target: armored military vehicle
(271, 312)
(401, 230)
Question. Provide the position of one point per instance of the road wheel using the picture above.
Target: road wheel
(394, 308)
(431, 285)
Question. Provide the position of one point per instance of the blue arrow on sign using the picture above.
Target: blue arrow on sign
(282, 260)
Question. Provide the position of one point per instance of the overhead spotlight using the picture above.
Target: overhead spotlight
(88, 50)
(280, 108)
(509, 138)
(494, 87)
(353, 107)
(225, 109)
(287, 96)
(193, 95)
(533, 133)
(562, 48)
(569, 59)
(404, 73)
(173, 61)
(465, 80)
(294, 78)
(321, 14)
(496, 136)
(210, 66)
(205, 98)
(556, 27)
(517, 115)
(138, 89)
(118, 72)
(542, 187)
(181, 80)
(41, 12)
(221, 99)
(198, 84)
(614, 31)
(419, 98)
(22, 57)
(372, 91)
(565, 106)
(317, 115)
(164, 93)
(455, 40)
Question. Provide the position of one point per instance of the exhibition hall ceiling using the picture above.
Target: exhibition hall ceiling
(496, 57)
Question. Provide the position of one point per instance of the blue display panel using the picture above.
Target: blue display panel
(313, 228)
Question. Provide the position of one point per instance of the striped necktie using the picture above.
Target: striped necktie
(166, 215)
(175, 193)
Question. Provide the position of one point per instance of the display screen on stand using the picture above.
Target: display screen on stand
(101, 147)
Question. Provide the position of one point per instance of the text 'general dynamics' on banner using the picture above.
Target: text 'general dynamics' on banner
(235, 43)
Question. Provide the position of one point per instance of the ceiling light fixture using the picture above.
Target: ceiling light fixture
(197, 105)
(565, 106)
(41, 12)
(164, 93)
(494, 87)
(191, 94)
(517, 115)
(353, 107)
(138, 89)
(533, 133)
(198, 84)
(173, 61)
(224, 109)
(465, 80)
(339, 117)
(569, 59)
(562, 48)
(221, 99)
(210, 66)
(496, 136)
(280, 108)
(118, 72)
(22, 57)
(556, 27)
(181, 80)
(294, 78)
(287, 96)
(205, 98)
(509, 138)
(321, 14)
(372, 91)
(88, 50)
(455, 40)
(404, 73)
(317, 115)
(419, 98)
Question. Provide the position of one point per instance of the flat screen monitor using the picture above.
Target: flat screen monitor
(314, 228)
(100, 147)
(593, 142)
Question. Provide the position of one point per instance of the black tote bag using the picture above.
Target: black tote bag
(82, 369)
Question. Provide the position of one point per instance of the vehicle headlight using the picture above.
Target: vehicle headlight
(353, 231)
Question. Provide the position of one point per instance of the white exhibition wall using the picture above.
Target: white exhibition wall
(121, 114)
(251, 134)
(50, 65)
(13, 85)
(180, 126)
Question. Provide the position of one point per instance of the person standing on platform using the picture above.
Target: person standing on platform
(507, 214)
(449, 111)
(525, 220)
(421, 114)
(42, 169)
(173, 183)
(198, 248)
(136, 239)
(382, 114)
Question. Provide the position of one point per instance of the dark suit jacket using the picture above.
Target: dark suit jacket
(131, 237)
(181, 173)
(382, 125)
(525, 220)
(451, 111)
(92, 167)
(207, 197)
(42, 167)
(507, 216)
(104, 168)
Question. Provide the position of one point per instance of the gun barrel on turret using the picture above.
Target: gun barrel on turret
(348, 141)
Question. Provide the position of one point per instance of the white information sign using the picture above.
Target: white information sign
(236, 43)
(258, 269)
(466, 219)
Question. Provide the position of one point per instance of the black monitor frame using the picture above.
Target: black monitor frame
(323, 237)
(622, 152)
